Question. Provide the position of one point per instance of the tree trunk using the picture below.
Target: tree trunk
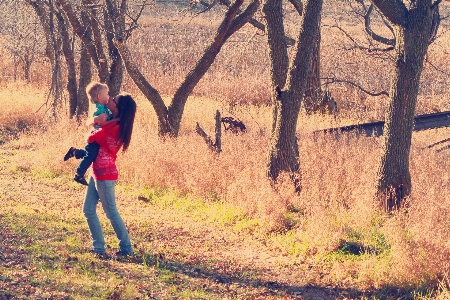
(146, 88)
(394, 179)
(116, 68)
(70, 62)
(97, 40)
(83, 31)
(283, 148)
(27, 61)
(313, 93)
(85, 69)
(228, 27)
(89, 31)
(276, 37)
(84, 79)
(169, 119)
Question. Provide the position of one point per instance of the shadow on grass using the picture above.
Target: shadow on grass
(13, 257)
(307, 291)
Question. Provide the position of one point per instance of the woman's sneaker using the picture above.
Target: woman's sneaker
(100, 255)
(123, 254)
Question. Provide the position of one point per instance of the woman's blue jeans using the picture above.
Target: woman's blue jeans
(104, 190)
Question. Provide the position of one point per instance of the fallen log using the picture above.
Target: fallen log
(421, 122)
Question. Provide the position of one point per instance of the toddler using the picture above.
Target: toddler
(98, 94)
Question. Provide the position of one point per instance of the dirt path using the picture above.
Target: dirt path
(198, 255)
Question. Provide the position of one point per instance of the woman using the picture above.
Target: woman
(111, 137)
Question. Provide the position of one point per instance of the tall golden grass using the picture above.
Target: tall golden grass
(336, 205)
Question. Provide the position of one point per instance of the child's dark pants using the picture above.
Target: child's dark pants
(87, 156)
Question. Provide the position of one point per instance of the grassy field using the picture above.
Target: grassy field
(211, 227)
(208, 227)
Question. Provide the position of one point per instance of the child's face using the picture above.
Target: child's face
(103, 97)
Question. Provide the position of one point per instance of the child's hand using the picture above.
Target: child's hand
(101, 119)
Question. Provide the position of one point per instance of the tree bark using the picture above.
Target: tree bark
(276, 37)
(116, 67)
(152, 95)
(313, 92)
(110, 69)
(283, 148)
(85, 78)
(412, 35)
(27, 67)
(85, 69)
(81, 31)
(56, 89)
(70, 62)
(97, 40)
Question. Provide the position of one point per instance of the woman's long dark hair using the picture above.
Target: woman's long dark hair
(127, 110)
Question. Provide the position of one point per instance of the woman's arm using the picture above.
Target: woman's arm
(100, 135)
(97, 136)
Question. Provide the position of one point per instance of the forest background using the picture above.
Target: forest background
(334, 230)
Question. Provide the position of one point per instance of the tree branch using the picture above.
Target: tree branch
(435, 4)
(394, 10)
(144, 86)
(103, 63)
(80, 30)
(298, 5)
(41, 10)
(210, 53)
(255, 23)
(436, 68)
(372, 34)
(335, 80)
(435, 22)
(217, 146)
(205, 137)
(134, 19)
(357, 46)
(434, 144)
(230, 24)
(243, 18)
(208, 6)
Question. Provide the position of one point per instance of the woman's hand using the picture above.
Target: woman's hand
(101, 119)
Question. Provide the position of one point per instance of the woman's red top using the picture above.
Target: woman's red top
(104, 166)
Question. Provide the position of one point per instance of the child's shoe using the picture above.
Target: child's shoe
(80, 179)
(70, 153)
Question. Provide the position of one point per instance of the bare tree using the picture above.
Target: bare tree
(22, 36)
(95, 25)
(169, 118)
(69, 55)
(313, 93)
(288, 84)
(413, 28)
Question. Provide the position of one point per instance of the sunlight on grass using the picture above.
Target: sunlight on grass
(229, 193)
(211, 226)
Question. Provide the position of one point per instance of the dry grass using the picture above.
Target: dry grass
(336, 205)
